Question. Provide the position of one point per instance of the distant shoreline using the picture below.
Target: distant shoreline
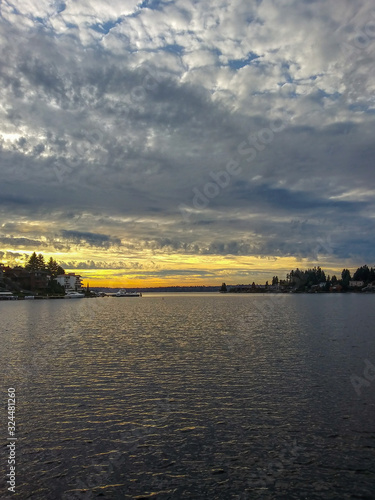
(261, 293)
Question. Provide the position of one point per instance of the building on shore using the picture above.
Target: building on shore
(29, 280)
(356, 284)
(70, 281)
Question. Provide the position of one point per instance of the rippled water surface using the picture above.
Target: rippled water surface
(194, 396)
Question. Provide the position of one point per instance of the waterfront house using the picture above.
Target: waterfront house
(29, 280)
(356, 284)
(70, 281)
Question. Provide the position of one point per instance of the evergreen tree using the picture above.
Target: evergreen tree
(346, 277)
(320, 275)
(53, 268)
(41, 263)
(299, 278)
(60, 270)
(55, 288)
(37, 263)
(362, 274)
(33, 263)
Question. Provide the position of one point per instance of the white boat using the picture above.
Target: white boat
(124, 293)
(74, 295)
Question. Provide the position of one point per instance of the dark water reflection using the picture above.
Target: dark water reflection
(192, 396)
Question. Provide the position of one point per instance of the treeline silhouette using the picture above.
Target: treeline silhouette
(37, 263)
(316, 276)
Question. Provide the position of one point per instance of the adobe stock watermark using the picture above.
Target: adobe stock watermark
(220, 180)
(150, 83)
(275, 472)
(363, 36)
(265, 307)
(82, 148)
(92, 141)
(323, 246)
(368, 376)
(319, 247)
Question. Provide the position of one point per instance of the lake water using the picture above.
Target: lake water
(208, 396)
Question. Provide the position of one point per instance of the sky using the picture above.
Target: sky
(187, 142)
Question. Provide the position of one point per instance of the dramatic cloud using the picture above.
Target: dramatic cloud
(231, 134)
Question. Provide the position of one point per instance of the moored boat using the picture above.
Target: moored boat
(124, 293)
(74, 295)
